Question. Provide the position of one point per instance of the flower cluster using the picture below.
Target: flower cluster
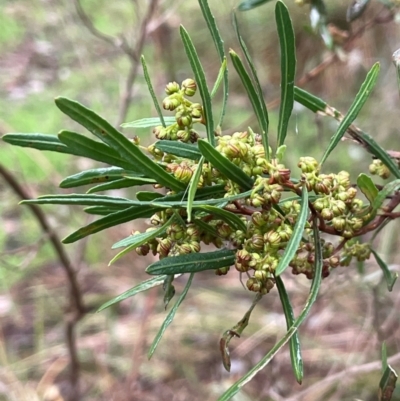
(269, 212)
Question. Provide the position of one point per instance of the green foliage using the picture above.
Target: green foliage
(229, 191)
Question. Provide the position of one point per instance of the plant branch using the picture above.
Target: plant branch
(76, 306)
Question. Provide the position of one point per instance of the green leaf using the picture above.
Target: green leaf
(194, 181)
(133, 241)
(251, 92)
(218, 81)
(367, 187)
(311, 102)
(378, 152)
(148, 196)
(224, 165)
(294, 344)
(384, 357)
(39, 141)
(356, 9)
(219, 45)
(149, 122)
(381, 197)
(390, 278)
(297, 235)
(387, 384)
(193, 262)
(170, 317)
(151, 90)
(111, 220)
(180, 149)
(96, 176)
(86, 147)
(169, 290)
(201, 83)
(126, 149)
(122, 183)
(263, 119)
(231, 218)
(144, 286)
(355, 108)
(315, 286)
(102, 210)
(80, 199)
(250, 4)
(288, 68)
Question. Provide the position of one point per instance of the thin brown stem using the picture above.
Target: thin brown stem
(76, 306)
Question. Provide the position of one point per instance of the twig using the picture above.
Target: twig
(127, 95)
(346, 373)
(76, 306)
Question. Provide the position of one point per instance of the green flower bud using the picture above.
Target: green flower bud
(189, 87)
(253, 284)
(343, 179)
(222, 271)
(334, 261)
(160, 132)
(356, 223)
(156, 220)
(327, 214)
(273, 239)
(172, 87)
(164, 246)
(143, 250)
(339, 223)
(348, 233)
(183, 135)
(196, 110)
(183, 119)
(338, 207)
(183, 173)
(257, 241)
(244, 137)
(175, 232)
(194, 246)
(258, 219)
(261, 275)
(308, 164)
(171, 103)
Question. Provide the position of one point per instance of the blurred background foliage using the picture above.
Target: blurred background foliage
(45, 51)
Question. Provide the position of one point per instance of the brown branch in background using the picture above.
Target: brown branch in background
(132, 52)
(76, 309)
(127, 95)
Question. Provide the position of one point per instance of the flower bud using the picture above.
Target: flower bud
(164, 246)
(170, 103)
(253, 284)
(273, 239)
(308, 164)
(339, 223)
(183, 135)
(183, 173)
(327, 214)
(343, 179)
(222, 271)
(189, 87)
(172, 87)
(196, 110)
(143, 250)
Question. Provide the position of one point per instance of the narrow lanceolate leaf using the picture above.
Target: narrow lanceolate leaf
(231, 218)
(96, 176)
(384, 357)
(194, 181)
(80, 199)
(151, 90)
(148, 196)
(311, 102)
(103, 210)
(126, 149)
(390, 277)
(133, 241)
(193, 262)
(295, 239)
(315, 286)
(144, 286)
(250, 4)
(381, 197)
(264, 121)
(294, 344)
(387, 384)
(111, 220)
(252, 94)
(377, 151)
(201, 83)
(180, 149)
(367, 187)
(122, 183)
(169, 290)
(40, 142)
(225, 166)
(149, 122)
(288, 68)
(94, 150)
(219, 45)
(170, 317)
(355, 108)
(218, 81)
